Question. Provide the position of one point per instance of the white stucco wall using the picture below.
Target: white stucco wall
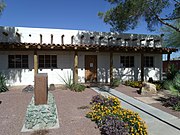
(65, 59)
(65, 67)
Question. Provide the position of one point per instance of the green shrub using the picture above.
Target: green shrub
(176, 81)
(134, 84)
(78, 87)
(172, 70)
(158, 86)
(103, 107)
(116, 82)
(3, 87)
(68, 80)
(173, 85)
(173, 102)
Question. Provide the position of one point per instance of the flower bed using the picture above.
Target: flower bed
(138, 84)
(111, 118)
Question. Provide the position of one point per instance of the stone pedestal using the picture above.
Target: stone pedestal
(41, 89)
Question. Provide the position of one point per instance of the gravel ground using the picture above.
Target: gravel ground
(132, 92)
(72, 119)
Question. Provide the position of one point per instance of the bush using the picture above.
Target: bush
(103, 107)
(172, 70)
(173, 102)
(116, 82)
(111, 125)
(176, 81)
(3, 87)
(134, 84)
(138, 84)
(78, 87)
(173, 85)
(68, 80)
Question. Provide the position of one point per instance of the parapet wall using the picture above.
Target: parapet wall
(64, 36)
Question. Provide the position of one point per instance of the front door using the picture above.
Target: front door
(90, 68)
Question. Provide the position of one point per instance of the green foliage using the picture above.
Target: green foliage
(108, 109)
(134, 84)
(116, 82)
(172, 70)
(158, 86)
(126, 14)
(2, 6)
(170, 85)
(138, 84)
(173, 102)
(68, 80)
(78, 87)
(171, 37)
(3, 87)
(177, 81)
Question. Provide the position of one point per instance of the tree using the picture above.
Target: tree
(2, 6)
(125, 14)
(171, 37)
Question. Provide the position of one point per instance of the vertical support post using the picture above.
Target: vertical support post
(35, 62)
(142, 67)
(111, 68)
(75, 71)
(168, 61)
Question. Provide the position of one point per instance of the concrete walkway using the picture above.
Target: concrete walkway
(159, 122)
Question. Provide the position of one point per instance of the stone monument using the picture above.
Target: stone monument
(41, 89)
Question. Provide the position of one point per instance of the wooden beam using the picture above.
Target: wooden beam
(75, 71)
(111, 68)
(142, 67)
(35, 62)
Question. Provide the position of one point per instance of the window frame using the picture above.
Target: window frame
(18, 61)
(127, 62)
(47, 61)
(149, 61)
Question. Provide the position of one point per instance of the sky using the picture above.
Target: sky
(63, 14)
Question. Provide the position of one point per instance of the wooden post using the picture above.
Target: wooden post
(168, 61)
(35, 62)
(111, 68)
(142, 67)
(75, 71)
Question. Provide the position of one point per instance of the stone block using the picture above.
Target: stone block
(148, 88)
(41, 89)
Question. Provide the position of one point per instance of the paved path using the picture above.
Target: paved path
(159, 122)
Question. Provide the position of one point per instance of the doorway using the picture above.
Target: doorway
(90, 68)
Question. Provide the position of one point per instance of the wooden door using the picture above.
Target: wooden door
(90, 68)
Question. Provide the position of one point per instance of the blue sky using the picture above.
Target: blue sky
(64, 14)
(74, 14)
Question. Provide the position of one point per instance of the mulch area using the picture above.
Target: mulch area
(71, 112)
(153, 99)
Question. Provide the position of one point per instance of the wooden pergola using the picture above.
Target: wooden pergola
(15, 46)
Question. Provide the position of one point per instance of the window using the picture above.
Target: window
(148, 61)
(127, 61)
(47, 61)
(18, 61)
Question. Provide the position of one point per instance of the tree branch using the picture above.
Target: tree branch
(168, 24)
(177, 1)
(173, 18)
(163, 21)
